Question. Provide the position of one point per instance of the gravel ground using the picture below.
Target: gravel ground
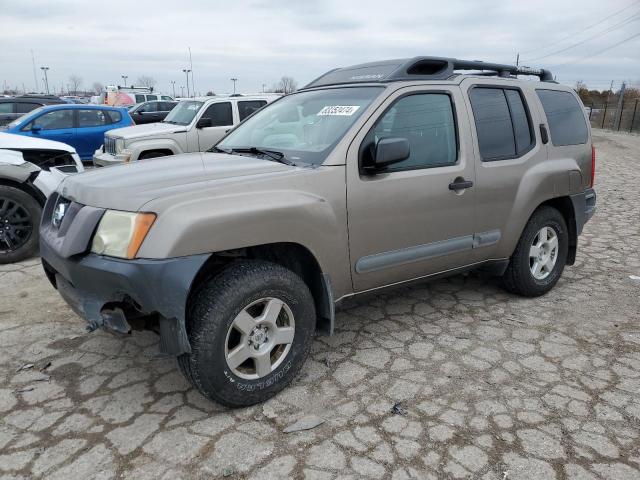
(491, 385)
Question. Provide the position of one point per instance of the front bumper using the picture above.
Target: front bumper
(108, 292)
(103, 159)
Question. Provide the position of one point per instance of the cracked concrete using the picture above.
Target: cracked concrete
(492, 386)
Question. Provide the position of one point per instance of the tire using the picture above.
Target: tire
(519, 278)
(18, 239)
(247, 287)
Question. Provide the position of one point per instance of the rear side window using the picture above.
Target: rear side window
(91, 118)
(426, 121)
(565, 117)
(247, 107)
(152, 97)
(140, 98)
(113, 116)
(25, 107)
(219, 113)
(6, 107)
(502, 123)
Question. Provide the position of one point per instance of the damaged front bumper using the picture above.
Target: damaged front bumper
(109, 292)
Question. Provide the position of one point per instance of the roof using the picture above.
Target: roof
(421, 68)
(83, 106)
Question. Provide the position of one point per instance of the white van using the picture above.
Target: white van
(117, 96)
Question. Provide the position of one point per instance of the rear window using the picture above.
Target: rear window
(565, 117)
(502, 123)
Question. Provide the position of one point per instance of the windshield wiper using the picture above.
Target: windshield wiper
(274, 155)
(218, 149)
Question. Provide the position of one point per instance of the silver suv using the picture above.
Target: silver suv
(370, 176)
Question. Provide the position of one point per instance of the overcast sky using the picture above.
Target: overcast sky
(258, 41)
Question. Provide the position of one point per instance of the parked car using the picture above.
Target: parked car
(12, 108)
(81, 126)
(150, 112)
(192, 126)
(30, 170)
(369, 177)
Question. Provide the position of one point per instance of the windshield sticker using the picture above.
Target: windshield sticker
(343, 110)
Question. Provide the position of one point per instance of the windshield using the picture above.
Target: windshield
(304, 126)
(21, 118)
(183, 113)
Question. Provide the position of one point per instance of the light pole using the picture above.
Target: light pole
(186, 72)
(173, 86)
(124, 77)
(234, 80)
(263, 85)
(46, 79)
(182, 91)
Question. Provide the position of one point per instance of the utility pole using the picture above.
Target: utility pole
(46, 79)
(173, 86)
(35, 77)
(182, 91)
(186, 72)
(234, 80)
(616, 126)
(124, 77)
(518, 60)
(263, 86)
(193, 85)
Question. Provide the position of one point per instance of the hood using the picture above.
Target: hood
(11, 141)
(146, 130)
(131, 185)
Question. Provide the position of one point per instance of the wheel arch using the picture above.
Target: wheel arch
(565, 206)
(26, 187)
(292, 256)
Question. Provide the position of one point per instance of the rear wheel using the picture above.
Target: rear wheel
(540, 256)
(250, 330)
(19, 219)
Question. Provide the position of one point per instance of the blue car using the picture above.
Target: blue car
(81, 126)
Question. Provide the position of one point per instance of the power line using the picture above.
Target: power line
(598, 52)
(633, 18)
(582, 30)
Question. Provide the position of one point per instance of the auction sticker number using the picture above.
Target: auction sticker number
(341, 110)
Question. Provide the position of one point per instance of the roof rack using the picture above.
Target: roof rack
(422, 68)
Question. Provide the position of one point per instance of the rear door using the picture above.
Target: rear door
(409, 221)
(91, 127)
(507, 145)
(221, 116)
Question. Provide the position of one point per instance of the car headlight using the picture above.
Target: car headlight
(120, 234)
(119, 145)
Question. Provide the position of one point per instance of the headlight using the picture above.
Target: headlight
(119, 145)
(120, 234)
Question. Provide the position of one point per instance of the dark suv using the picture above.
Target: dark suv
(151, 112)
(12, 108)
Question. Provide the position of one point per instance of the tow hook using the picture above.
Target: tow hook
(115, 321)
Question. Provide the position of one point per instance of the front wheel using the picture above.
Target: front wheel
(19, 219)
(540, 256)
(250, 330)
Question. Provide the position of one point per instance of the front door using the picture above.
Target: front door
(221, 116)
(55, 125)
(416, 217)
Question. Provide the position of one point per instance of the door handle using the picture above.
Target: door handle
(460, 184)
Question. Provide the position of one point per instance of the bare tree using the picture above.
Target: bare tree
(98, 88)
(74, 83)
(287, 85)
(211, 93)
(146, 81)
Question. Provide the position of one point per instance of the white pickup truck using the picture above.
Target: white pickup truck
(194, 125)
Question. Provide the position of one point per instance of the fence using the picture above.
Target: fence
(608, 117)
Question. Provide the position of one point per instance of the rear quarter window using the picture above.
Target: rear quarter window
(113, 115)
(565, 117)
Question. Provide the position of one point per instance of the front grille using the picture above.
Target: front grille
(110, 145)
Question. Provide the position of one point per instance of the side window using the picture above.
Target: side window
(26, 107)
(167, 106)
(152, 97)
(247, 107)
(54, 120)
(565, 117)
(502, 123)
(140, 98)
(91, 118)
(220, 114)
(6, 107)
(149, 107)
(166, 97)
(427, 122)
(112, 116)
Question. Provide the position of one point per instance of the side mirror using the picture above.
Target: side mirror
(204, 122)
(35, 128)
(389, 151)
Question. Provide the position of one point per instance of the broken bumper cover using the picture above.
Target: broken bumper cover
(102, 290)
(584, 206)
